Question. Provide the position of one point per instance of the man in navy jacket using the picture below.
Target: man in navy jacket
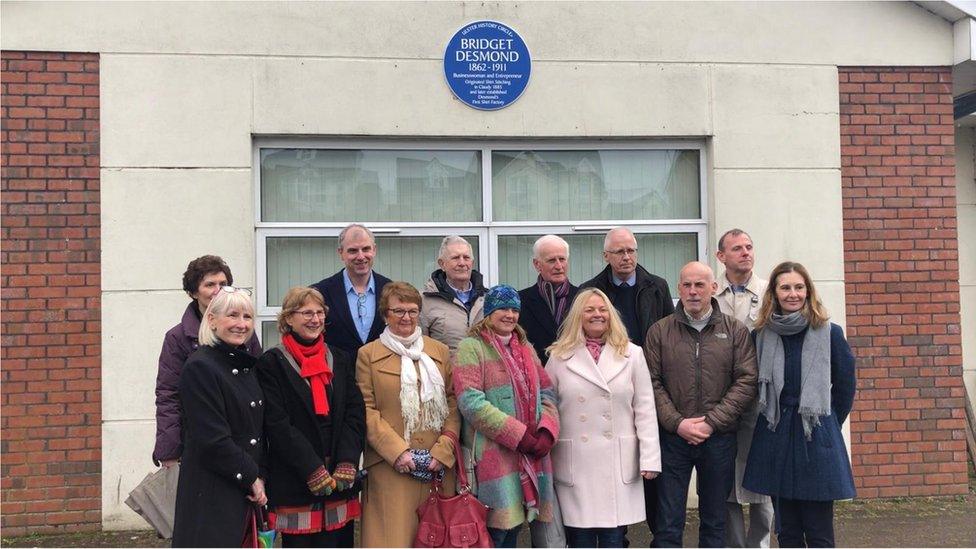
(353, 294)
(545, 303)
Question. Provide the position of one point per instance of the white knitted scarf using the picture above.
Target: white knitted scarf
(423, 400)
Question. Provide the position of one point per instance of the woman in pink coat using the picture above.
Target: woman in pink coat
(608, 439)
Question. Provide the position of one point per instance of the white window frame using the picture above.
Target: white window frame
(486, 230)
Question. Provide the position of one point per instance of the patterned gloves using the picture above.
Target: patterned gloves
(344, 476)
(320, 483)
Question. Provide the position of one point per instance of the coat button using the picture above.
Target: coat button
(584, 438)
(606, 396)
(260, 403)
(246, 370)
(234, 371)
(582, 398)
(239, 476)
(254, 441)
(582, 417)
(608, 434)
(253, 404)
(606, 417)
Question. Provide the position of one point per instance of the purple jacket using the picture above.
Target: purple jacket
(178, 345)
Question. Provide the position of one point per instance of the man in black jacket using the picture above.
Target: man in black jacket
(642, 299)
(546, 303)
(352, 295)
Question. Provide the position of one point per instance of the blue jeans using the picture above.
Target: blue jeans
(714, 460)
(595, 537)
(504, 538)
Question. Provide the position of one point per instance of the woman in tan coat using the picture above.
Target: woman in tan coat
(405, 379)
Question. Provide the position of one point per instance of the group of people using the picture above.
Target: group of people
(580, 410)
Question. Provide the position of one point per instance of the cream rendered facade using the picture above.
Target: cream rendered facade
(186, 87)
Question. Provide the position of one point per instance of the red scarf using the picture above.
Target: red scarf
(314, 368)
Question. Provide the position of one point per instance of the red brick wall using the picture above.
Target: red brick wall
(902, 280)
(50, 356)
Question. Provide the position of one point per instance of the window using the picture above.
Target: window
(499, 196)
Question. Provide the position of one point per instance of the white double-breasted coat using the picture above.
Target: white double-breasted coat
(608, 435)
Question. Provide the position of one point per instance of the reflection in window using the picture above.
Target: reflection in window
(595, 185)
(336, 185)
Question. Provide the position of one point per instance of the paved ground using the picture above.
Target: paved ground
(918, 522)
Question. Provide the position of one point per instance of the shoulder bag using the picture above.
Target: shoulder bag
(452, 521)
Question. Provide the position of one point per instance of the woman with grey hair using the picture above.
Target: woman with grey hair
(223, 414)
(454, 294)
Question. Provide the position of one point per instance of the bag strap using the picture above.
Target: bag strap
(459, 462)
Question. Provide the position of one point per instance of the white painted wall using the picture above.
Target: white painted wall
(966, 207)
(185, 87)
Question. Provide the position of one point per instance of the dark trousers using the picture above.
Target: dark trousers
(803, 523)
(714, 461)
(504, 538)
(595, 537)
(343, 537)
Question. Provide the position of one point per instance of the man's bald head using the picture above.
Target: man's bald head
(696, 286)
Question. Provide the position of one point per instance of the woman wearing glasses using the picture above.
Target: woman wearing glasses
(315, 424)
(223, 409)
(405, 378)
(202, 280)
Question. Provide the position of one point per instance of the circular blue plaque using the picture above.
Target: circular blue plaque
(487, 65)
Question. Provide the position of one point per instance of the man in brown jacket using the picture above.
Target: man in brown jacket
(703, 368)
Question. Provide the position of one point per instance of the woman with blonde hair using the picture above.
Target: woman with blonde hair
(806, 391)
(315, 423)
(609, 437)
(411, 418)
(223, 416)
(511, 419)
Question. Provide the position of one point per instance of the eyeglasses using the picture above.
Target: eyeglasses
(400, 313)
(623, 251)
(309, 315)
(231, 289)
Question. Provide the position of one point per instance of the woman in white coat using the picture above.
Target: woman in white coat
(609, 437)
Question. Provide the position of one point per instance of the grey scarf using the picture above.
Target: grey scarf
(814, 369)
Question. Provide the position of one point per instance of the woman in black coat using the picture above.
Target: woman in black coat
(221, 474)
(315, 421)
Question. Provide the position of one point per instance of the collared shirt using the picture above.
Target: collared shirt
(741, 302)
(361, 303)
(463, 296)
(631, 280)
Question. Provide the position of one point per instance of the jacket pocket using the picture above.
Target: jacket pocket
(562, 462)
(629, 463)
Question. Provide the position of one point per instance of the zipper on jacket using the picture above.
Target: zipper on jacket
(698, 371)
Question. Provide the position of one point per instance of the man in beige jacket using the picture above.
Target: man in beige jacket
(739, 295)
(454, 295)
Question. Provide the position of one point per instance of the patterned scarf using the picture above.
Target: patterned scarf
(315, 369)
(595, 347)
(525, 386)
(555, 298)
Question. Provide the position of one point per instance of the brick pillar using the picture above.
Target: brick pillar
(902, 280)
(50, 358)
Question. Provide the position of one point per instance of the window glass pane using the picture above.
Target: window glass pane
(333, 185)
(269, 334)
(661, 254)
(301, 261)
(595, 185)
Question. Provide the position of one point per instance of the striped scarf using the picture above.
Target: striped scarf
(555, 298)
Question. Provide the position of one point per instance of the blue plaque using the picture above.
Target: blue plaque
(487, 65)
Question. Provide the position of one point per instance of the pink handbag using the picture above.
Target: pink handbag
(452, 521)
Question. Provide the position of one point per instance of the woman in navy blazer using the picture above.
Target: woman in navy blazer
(806, 391)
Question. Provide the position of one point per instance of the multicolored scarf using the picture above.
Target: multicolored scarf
(314, 368)
(595, 347)
(555, 298)
(525, 386)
